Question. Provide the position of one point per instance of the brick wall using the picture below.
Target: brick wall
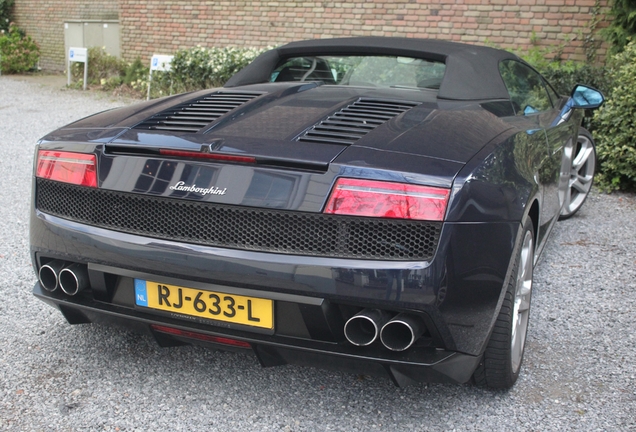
(163, 26)
(43, 20)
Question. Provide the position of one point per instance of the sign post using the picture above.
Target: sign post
(158, 63)
(79, 55)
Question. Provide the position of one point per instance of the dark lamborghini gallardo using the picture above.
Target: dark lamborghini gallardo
(372, 204)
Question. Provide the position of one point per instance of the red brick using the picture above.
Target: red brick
(148, 26)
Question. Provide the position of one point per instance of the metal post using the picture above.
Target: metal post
(149, 81)
(85, 72)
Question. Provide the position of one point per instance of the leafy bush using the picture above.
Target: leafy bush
(104, 69)
(564, 78)
(6, 9)
(136, 77)
(622, 25)
(199, 68)
(192, 69)
(19, 52)
(616, 128)
(564, 75)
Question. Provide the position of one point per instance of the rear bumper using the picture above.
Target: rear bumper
(458, 294)
(422, 365)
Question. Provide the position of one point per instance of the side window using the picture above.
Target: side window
(553, 94)
(526, 88)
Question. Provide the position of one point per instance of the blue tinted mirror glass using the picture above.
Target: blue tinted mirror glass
(586, 97)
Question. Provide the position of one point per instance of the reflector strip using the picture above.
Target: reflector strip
(357, 197)
(214, 156)
(389, 191)
(69, 160)
(200, 336)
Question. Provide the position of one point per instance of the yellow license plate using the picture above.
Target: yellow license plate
(231, 308)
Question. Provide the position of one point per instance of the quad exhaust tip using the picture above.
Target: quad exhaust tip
(364, 328)
(73, 279)
(401, 332)
(49, 274)
(396, 334)
(70, 277)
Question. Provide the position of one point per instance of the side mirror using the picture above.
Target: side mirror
(585, 97)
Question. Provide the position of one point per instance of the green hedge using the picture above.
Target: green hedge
(6, 9)
(18, 51)
(192, 69)
(564, 75)
(616, 125)
(200, 68)
(104, 70)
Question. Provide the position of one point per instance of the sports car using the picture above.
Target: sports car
(370, 204)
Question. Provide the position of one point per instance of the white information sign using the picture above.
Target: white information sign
(78, 55)
(160, 62)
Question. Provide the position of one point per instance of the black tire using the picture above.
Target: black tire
(584, 156)
(501, 362)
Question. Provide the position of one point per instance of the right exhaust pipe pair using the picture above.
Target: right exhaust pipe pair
(397, 334)
(70, 277)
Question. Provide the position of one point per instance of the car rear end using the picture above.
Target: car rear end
(280, 230)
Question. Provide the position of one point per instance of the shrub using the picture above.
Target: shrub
(622, 25)
(136, 77)
(104, 69)
(6, 8)
(564, 75)
(192, 69)
(19, 52)
(199, 68)
(616, 129)
(564, 78)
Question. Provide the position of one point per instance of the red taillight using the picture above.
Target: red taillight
(67, 167)
(200, 336)
(387, 200)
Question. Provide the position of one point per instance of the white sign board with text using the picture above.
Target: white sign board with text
(78, 55)
(160, 62)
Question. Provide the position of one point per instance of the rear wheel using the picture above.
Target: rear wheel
(582, 166)
(502, 359)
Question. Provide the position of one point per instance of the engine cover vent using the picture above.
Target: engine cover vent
(354, 121)
(194, 115)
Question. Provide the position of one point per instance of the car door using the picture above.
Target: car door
(536, 112)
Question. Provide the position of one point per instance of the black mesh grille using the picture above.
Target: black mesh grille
(244, 228)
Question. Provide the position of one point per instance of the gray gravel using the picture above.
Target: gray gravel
(579, 371)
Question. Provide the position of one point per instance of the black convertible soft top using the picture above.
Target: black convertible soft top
(472, 72)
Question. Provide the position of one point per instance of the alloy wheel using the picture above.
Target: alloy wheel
(581, 175)
(521, 308)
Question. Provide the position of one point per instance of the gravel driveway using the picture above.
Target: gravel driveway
(579, 371)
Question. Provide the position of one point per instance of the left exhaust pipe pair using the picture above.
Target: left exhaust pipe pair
(71, 278)
(397, 334)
